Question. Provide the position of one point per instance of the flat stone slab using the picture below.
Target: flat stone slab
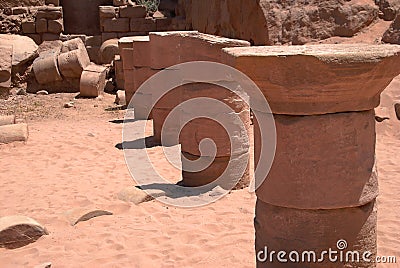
(74, 216)
(134, 195)
(317, 79)
(19, 231)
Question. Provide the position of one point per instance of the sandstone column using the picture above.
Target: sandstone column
(322, 186)
(171, 48)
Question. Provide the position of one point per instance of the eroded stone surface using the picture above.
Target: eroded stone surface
(74, 216)
(303, 230)
(304, 80)
(19, 231)
(392, 35)
(321, 162)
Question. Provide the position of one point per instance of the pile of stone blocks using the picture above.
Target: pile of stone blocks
(66, 67)
(124, 19)
(12, 130)
(45, 23)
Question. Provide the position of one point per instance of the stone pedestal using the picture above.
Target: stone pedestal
(322, 185)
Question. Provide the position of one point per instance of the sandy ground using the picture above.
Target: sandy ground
(71, 161)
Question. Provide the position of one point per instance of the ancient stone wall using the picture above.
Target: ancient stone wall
(279, 22)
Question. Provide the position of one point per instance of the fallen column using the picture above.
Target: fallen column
(321, 190)
(93, 81)
(14, 132)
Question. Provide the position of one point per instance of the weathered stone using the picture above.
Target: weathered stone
(206, 47)
(93, 81)
(52, 2)
(6, 53)
(74, 216)
(392, 35)
(55, 26)
(132, 11)
(267, 22)
(108, 50)
(72, 63)
(119, 3)
(286, 229)
(49, 13)
(14, 132)
(239, 171)
(7, 120)
(41, 25)
(143, 25)
(388, 8)
(24, 48)
(141, 50)
(107, 12)
(19, 10)
(321, 162)
(116, 25)
(50, 46)
(397, 110)
(304, 80)
(19, 231)
(50, 37)
(28, 27)
(45, 68)
(72, 44)
(120, 98)
(134, 195)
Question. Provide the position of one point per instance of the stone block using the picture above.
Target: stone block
(72, 63)
(45, 68)
(41, 25)
(107, 12)
(143, 25)
(93, 81)
(116, 25)
(49, 13)
(28, 27)
(55, 26)
(132, 12)
(321, 162)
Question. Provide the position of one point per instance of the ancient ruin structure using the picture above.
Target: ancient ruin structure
(322, 186)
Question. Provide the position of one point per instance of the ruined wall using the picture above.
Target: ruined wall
(279, 22)
(22, 3)
(82, 17)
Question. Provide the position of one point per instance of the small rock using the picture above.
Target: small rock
(44, 265)
(19, 231)
(134, 195)
(69, 105)
(120, 98)
(158, 15)
(21, 91)
(42, 92)
(397, 110)
(77, 215)
(110, 87)
(381, 114)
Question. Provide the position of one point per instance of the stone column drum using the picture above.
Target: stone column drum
(187, 46)
(322, 186)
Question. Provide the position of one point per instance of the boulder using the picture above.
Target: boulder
(392, 35)
(388, 8)
(266, 22)
(93, 81)
(19, 231)
(25, 49)
(6, 52)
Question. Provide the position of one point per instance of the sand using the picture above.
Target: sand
(71, 160)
